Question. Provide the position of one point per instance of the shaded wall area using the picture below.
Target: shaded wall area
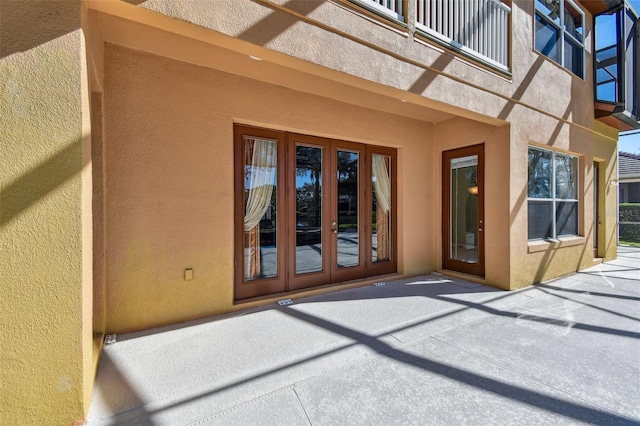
(458, 133)
(168, 158)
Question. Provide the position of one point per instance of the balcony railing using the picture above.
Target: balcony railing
(391, 8)
(479, 28)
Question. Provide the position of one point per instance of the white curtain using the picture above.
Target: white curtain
(262, 178)
(381, 183)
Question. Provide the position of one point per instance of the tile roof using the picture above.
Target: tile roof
(628, 165)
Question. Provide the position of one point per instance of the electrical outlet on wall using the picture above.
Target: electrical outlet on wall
(188, 274)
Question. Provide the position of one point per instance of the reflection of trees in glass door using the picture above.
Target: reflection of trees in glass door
(334, 222)
(308, 207)
(463, 210)
(347, 210)
(347, 178)
(328, 211)
(308, 218)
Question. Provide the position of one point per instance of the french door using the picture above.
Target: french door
(310, 211)
(463, 210)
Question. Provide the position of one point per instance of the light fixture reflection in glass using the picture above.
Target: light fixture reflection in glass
(473, 190)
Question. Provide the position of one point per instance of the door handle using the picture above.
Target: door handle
(480, 229)
(335, 231)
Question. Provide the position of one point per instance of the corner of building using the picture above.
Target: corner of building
(45, 214)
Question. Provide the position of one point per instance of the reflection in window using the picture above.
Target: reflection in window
(552, 194)
(547, 39)
(559, 33)
(539, 185)
(260, 173)
(566, 176)
(308, 209)
(348, 249)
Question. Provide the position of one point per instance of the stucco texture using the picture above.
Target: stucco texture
(169, 179)
(458, 133)
(45, 268)
(398, 57)
(537, 261)
(157, 119)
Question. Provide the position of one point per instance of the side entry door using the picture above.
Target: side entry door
(463, 210)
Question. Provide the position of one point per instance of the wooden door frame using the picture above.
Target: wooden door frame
(286, 279)
(477, 269)
(360, 271)
(247, 289)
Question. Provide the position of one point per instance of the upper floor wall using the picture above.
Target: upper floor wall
(410, 52)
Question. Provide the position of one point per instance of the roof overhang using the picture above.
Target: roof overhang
(615, 115)
(598, 6)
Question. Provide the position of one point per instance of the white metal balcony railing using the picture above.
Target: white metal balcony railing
(479, 28)
(476, 27)
(391, 8)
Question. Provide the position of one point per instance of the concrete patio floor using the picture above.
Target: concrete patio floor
(426, 350)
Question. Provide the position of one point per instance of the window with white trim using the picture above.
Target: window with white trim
(552, 194)
(559, 33)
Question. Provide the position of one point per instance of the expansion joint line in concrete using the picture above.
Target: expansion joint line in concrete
(527, 377)
(366, 359)
(302, 405)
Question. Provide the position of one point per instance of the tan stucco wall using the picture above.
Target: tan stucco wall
(45, 215)
(196, 126)
(166, 186)
(458, 133)
(169, 186)
(533, 261)
(98, 177)
(344, 38)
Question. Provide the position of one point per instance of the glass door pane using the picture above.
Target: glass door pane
(381, 208)
(348, 200)
(309, 211)
(260, 209)
(309, 204)
(463, 244)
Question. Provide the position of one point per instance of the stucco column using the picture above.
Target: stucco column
(45, 215)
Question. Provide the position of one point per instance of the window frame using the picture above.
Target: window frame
(563, 34)
(554, 199)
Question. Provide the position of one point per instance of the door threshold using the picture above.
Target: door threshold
(461, 275)
(312, 291)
